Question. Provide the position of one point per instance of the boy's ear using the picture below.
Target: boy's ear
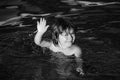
(73, 38)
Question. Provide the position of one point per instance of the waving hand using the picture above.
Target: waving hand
(41, 25)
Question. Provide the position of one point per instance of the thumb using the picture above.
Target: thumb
(47, 26)
(38, 24)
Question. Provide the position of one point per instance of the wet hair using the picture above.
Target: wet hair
(59, 27)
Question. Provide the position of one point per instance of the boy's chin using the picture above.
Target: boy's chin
(68, 44)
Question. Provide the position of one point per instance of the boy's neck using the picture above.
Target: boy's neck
(64, 46)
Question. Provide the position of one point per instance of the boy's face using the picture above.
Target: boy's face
(67, 37)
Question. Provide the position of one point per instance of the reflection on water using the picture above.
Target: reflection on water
(97, 33)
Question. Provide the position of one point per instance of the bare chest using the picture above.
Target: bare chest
(67, 52)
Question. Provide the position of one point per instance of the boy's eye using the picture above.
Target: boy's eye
(71, 33)
(64, 34)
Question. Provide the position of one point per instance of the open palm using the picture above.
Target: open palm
(41, 25)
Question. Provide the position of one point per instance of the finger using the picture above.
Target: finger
(40, 20)
(44, 21)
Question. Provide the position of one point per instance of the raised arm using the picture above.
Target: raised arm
(41, 29)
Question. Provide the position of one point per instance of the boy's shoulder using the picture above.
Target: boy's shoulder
(76, 47)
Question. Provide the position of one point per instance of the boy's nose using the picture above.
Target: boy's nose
(69, 38)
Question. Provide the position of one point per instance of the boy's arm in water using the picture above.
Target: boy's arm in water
(79, 61)
(41, 29)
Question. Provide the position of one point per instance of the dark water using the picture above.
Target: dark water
(97, 33)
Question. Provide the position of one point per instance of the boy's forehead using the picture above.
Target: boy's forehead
(69, 30)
